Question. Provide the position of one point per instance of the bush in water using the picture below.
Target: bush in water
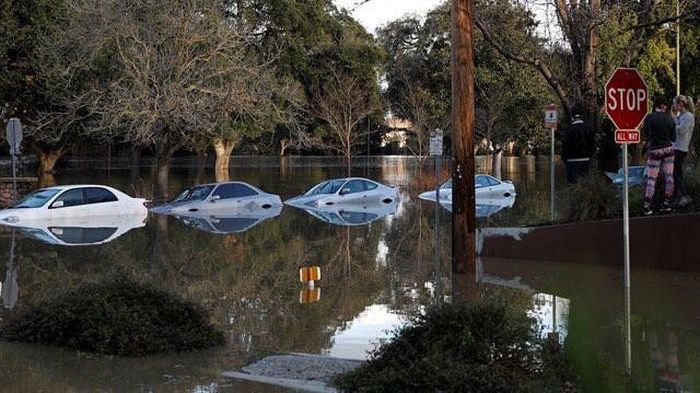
(118, 317)
(480, 347)
(592, 197)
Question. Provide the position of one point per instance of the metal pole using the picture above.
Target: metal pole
(464, 200)
(438, 278)
(678, 49)
(628, 333)
(626, 215)
(14, 178)
(552, 187)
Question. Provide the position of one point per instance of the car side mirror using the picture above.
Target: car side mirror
(214, 198)
(344, 191)
(57, 204)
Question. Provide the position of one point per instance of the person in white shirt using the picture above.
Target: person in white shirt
(685, 123)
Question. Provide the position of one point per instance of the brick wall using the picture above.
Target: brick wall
(25, 185)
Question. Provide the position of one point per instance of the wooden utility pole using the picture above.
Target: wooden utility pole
(463, 199)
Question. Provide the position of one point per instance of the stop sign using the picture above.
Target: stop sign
(626, 98)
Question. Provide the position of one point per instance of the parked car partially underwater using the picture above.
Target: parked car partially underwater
(219, 198)
(350, 215)
(88, 231)
(350, 190)
(485, 186)
(75, 201)
(637, 176)
(236, 221)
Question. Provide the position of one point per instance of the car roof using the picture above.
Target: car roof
(69, 186)
(350, 178)
(220, 183)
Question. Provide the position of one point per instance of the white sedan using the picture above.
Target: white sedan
(76, 201)
(350, 190)
(485, 187)
(219, 197)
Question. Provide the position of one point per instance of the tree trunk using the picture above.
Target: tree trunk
(46, 180)
(496, 160)
(283, 146)
(223, 150)
(162, 174)
(201, 166)
(48, 159)
(134, 169)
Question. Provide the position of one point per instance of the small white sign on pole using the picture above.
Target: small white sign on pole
(436, 143)
(551, 116)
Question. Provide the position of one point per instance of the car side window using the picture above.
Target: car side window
(353, 186)
(234, 190)
(98, 195)
(369, 186)
(482, 181)
(72, 197)
(492, 181)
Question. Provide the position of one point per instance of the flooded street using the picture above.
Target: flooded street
(378, 269)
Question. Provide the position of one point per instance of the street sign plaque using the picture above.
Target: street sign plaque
(627, 136)
(550, 116)
(14, 135)
(436, 143)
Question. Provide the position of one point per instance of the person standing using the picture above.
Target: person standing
(578, 145)
(659, 132)
(685, 123)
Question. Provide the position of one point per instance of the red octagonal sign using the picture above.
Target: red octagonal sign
(626, 98)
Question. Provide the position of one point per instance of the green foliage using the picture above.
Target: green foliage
(592, 197)
(117, 317)
(480, 347)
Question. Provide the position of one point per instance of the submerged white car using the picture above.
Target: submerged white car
(219, 197)
(486, 187)
(350, 190)
(88, 231)
(76, 201)
(240, 220)
(353, 215)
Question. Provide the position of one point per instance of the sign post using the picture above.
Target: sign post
(551, 122)
(14, 139)
(626, 103)
(436, 151)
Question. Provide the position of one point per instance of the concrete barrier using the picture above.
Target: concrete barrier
(658, 242)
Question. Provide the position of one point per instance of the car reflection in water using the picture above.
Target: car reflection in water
(86, 231)
(350, 215)
(487, 207)
(236, 221)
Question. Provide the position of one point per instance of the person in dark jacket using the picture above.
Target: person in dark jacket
(660, 132)
(578, 145)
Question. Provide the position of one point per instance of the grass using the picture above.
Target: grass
(117, 317)
(592, 197)
(480, 347)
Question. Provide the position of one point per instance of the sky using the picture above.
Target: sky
(376, 13)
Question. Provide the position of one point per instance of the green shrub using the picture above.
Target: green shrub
(462, 348)
(592, 197)
(118, 317)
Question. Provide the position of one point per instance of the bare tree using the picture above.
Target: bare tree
(342, 103)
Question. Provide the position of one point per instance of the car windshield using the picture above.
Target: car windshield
(196, 193)
(447, 185)
(35, 199)
(329, 187)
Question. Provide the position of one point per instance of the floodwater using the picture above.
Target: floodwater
(374, 278)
